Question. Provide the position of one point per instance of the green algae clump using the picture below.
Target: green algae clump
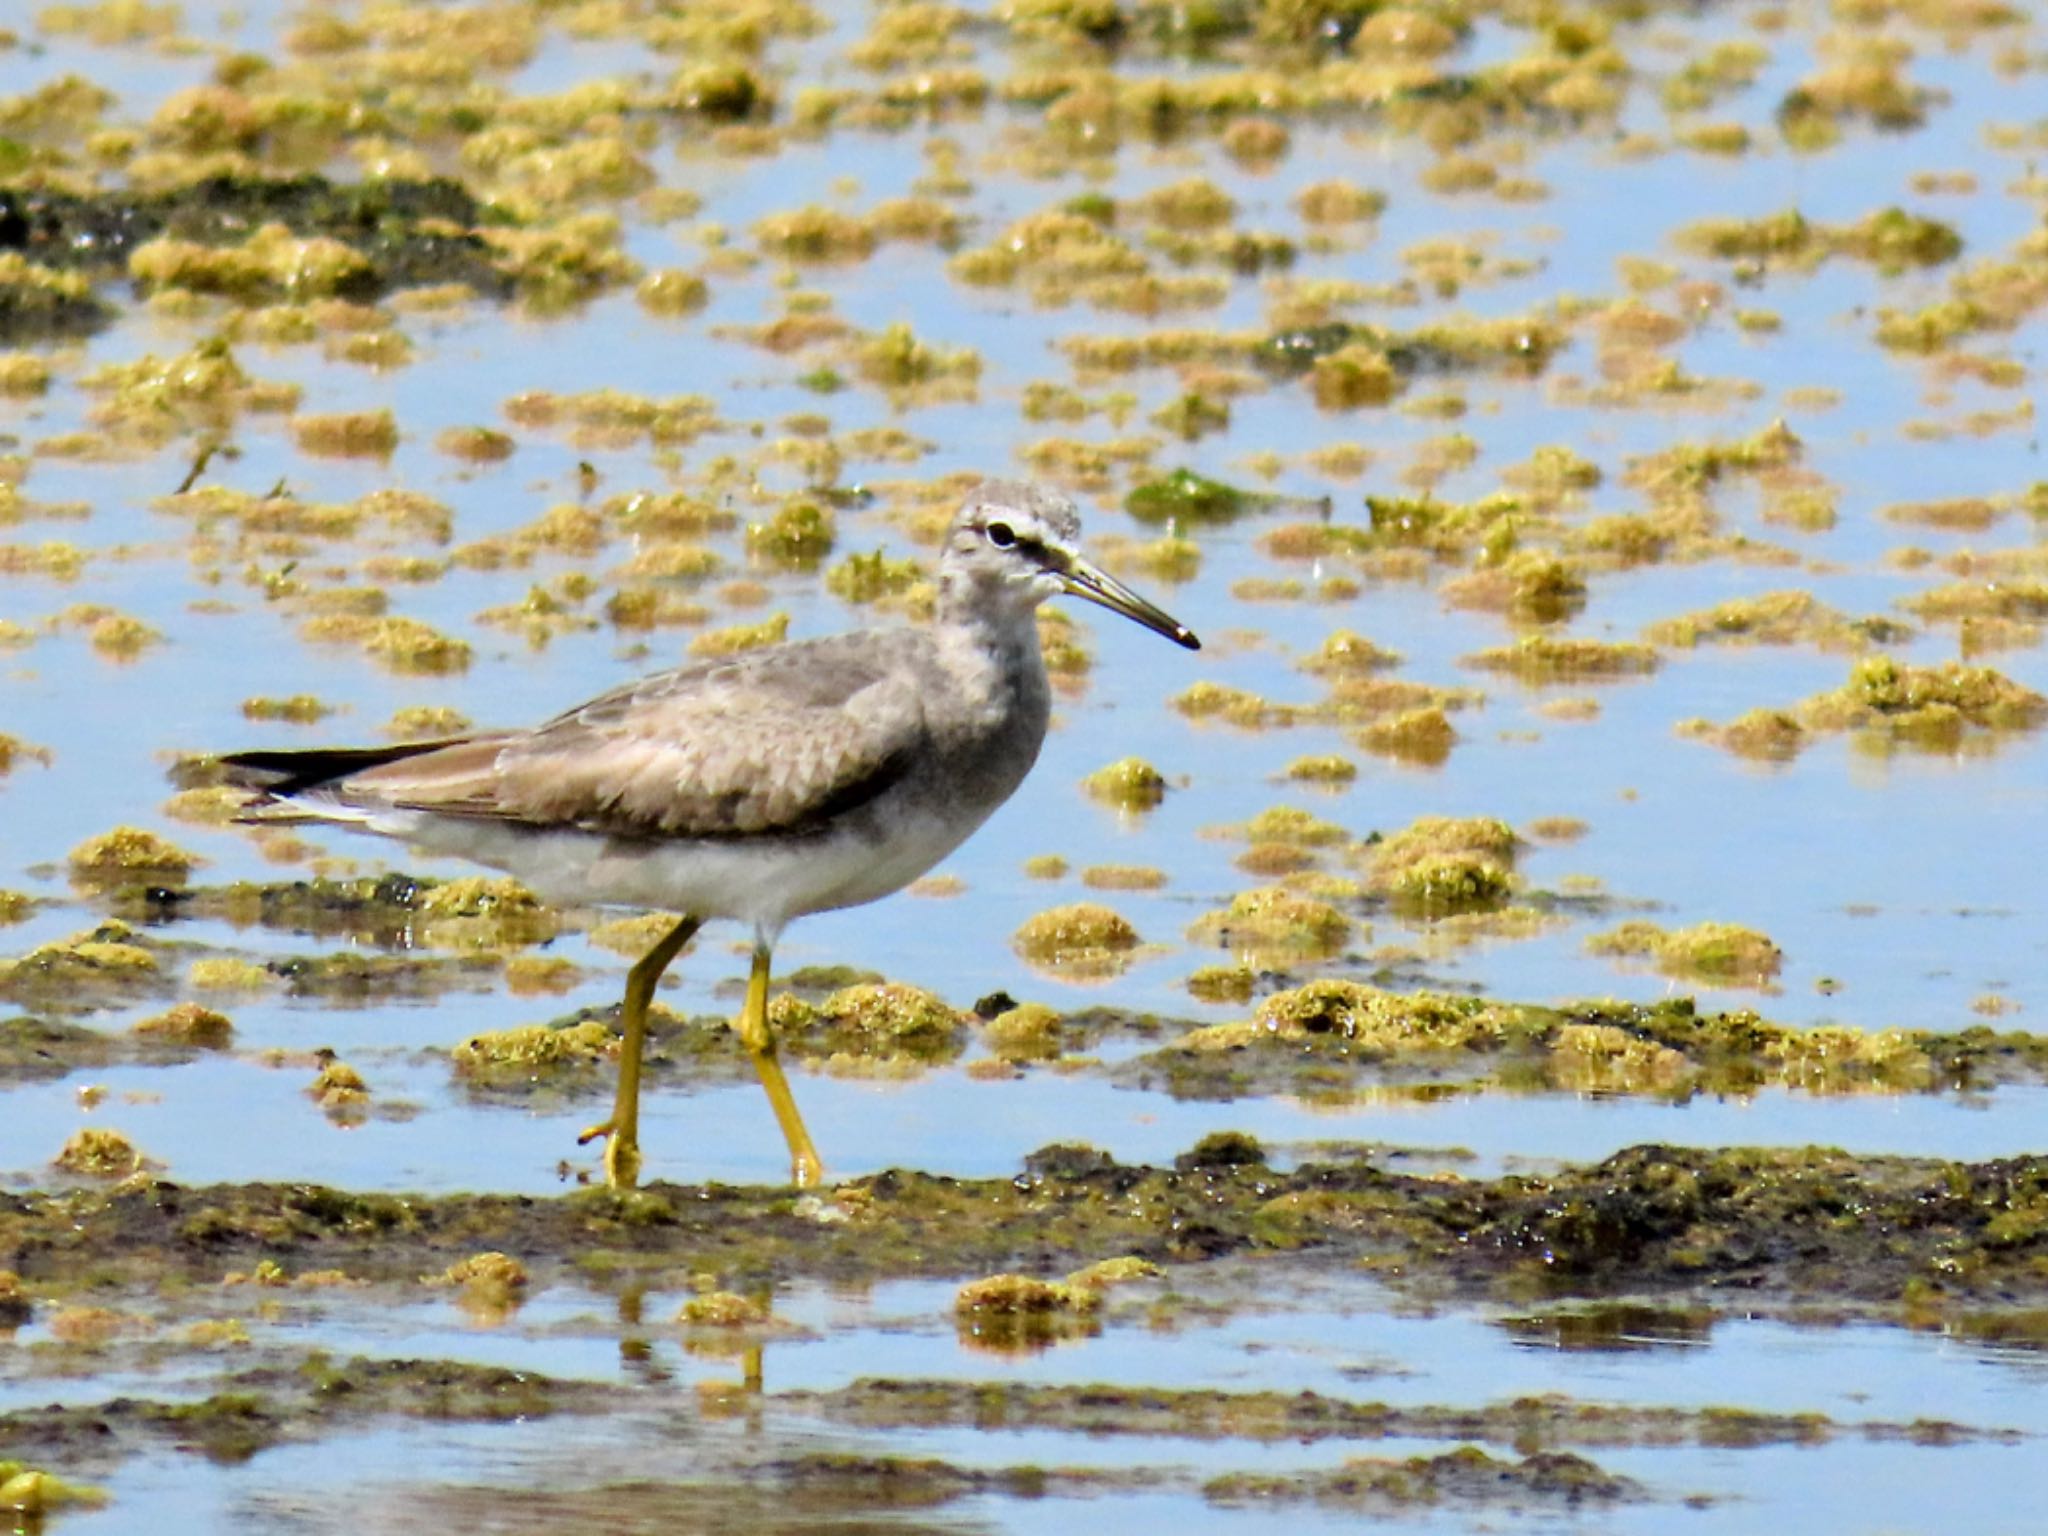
(188, 1024)
(735, 638)
(1348, 653)
(1187, 499)
(1274, 922)
(1767, 735)
(490, 1281)
(723, 1309)
(299, 709)
(798, 536)
(100, 1154)
(1925, 705)
(868, 578)
(1289, 824)
(1007, 1295)
(1012, 1313)
(1441, 865)
(530, 1050)
(1380, 1020)
(226, 973)
(1027, 1032)
(1423, 735)
(98, 968)
(1545, 659)
(129, 856)
(471, 912)
(36, 301)
(1084, 938)
(890, 1013)
(347, 434)
(1130, 783)
(1325, 769)
(1716, 952)
(1774, 618)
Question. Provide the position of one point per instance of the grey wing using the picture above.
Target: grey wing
(778, 740)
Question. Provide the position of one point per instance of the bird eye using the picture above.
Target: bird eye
(1002, 535)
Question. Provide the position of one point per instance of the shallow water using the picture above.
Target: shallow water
(1900, 883)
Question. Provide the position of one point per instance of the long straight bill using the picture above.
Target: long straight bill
(1085, 579)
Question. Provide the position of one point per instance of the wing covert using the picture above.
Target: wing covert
(772, 741)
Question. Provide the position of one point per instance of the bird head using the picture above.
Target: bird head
(1018, 543)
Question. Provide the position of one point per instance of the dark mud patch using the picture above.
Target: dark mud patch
(1810, 1227)
(1526, 1424)
(414, 233)
(250, 1411)
(1466, 1476)
(32, 1048)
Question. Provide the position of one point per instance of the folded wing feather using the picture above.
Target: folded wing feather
(780, 740)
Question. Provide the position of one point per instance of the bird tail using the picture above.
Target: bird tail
(277, 776)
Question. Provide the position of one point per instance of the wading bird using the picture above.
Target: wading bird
(796, 778)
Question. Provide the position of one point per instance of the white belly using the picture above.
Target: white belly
(760, 881)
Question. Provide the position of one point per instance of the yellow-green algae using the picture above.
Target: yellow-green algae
(129, 856)
(735, 638)
(1123, 877)
(1027, 1032)
(1274, 923)
(1080, 926)
(871, 1019)
(1936, 708)
(1020, 1312)
(528, 1050)
(490, 1279)
(1773, 618)
(1423, 735)
(348, 434)
(1325, 768)
(1891, 239)
(1291, 824)
(102, 967)
(99, 1153)
(1441, 865)
(1326, 1036)
(1345, 652)
(1717, 952)
(1079, 936)
(299, 708)
(14, 750)
(723, 1309)
(188, 1024)
(1130, 783)
(1545, 659)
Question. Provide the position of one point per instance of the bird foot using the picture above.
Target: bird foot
(621, 1154)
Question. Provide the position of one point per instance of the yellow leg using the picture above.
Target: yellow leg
(622, 1131)
(805, 1167)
